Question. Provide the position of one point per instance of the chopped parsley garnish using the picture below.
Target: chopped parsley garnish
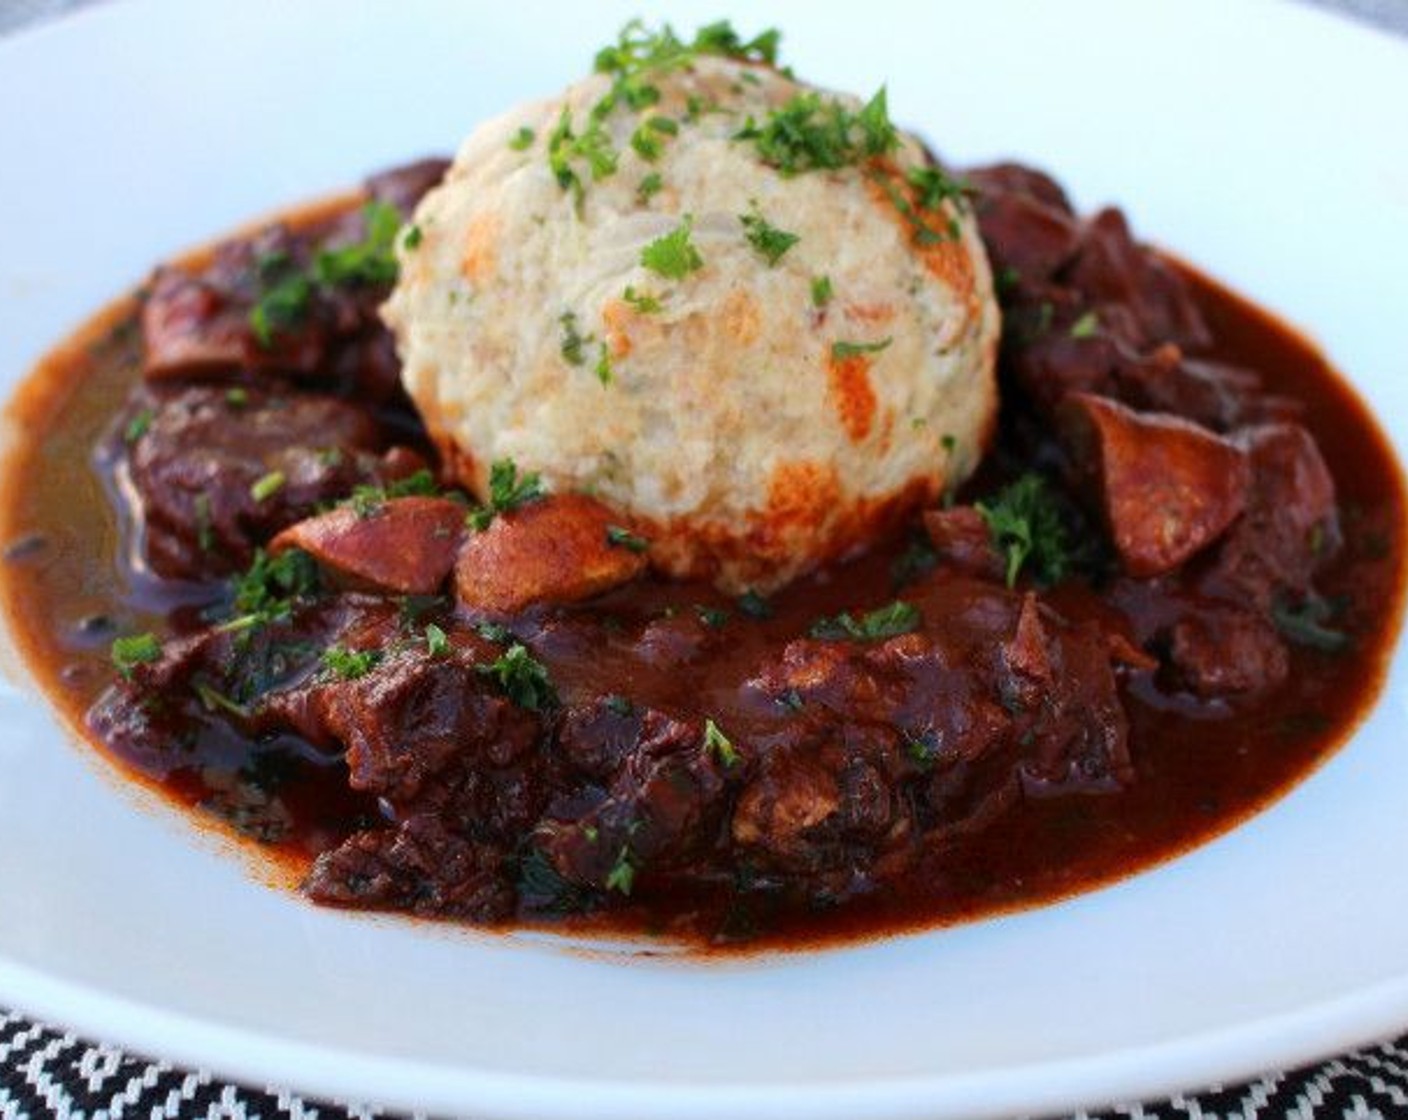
(843, 350)
(896, 618)
(138, 426)
(367, 499)
(574, 344)
(137, 649)
(286, 292)
(696, 107)
(437, 642)
(619, 705)
(1025, 526)
(269, 589)
(418, 483)
(349, 664)
(770, 242)
(878, 134)
(493, 632)
(559, 154)
(523, 678)
(1007, 280)
(673, 256)
(618, 537)
(647, 145)
(282, 304)
(572, 339)
(933, 186)
(622, 875)
(267, 485)
(716, 741)
(1087, 326)
(721, 39)
(272, 265)
(212, 699)
(922, 750)
(754, 605)
(924, 233)
(602, 369)
(649, 187)
(643, 302)
(713, 617)
(821, 290)
(639, 54)
(1303, 624)
(369, 261)
(811, 133)
(648, 139)
(593, 146)
(522, 139)
(507, 490)
(791, 700)
(237, 397)
(205, 531)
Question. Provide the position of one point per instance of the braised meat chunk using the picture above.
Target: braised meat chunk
(1111, 269)
(420, 867)
(928, 732)
(286, 304)
(658, 809)
(213, 472)
(1028, 225)
(1207, 485)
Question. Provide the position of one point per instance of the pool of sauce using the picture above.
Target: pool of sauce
(65, 596)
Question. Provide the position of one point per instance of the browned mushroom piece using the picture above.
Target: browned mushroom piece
(403, 545)
(556, 550)
(1166, 487)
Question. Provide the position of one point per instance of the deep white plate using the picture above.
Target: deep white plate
(1265, 142)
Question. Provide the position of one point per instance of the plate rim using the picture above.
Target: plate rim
(1245, 1048)
(1136, 1073)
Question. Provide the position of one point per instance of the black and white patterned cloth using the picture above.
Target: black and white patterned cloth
(47, 1074)
(50, 1074)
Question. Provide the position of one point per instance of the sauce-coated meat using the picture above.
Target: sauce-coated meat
(267, 305)
(214, 475)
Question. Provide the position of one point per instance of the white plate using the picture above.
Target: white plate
(1265, 142)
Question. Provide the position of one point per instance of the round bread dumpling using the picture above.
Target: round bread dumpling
(752, 317)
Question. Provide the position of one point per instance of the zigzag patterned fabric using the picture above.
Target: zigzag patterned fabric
(47, 1074)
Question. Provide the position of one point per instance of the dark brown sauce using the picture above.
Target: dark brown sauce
(66, 596)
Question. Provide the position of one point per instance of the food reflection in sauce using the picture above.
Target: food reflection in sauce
(1074, 668)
